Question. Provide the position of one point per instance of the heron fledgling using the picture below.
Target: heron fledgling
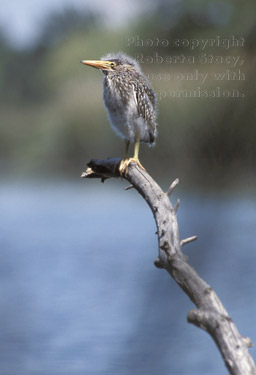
(130, 101)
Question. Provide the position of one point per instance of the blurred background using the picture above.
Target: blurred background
(79, 292)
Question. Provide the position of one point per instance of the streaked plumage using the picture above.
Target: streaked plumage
(129, 99)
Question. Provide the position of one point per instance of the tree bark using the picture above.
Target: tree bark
(209, 314)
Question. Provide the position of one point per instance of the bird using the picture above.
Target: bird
(130, 102)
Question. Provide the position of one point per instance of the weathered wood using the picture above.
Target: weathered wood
(210, 314)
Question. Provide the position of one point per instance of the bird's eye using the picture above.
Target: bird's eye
(112, 64)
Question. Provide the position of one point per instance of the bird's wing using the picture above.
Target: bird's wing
(145, 101)
(140, 98)
(144, 98)
(150, 94)
(135, 93)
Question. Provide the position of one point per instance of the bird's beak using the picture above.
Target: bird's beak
(99, 64)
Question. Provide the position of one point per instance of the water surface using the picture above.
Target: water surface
(80, 294)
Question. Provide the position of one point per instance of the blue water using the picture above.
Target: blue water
(79, 292)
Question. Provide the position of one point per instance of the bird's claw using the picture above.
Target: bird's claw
(124, 164)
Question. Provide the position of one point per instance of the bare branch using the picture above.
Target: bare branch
(129, 187)
(187, 240)
(172, 187)
(210, 314)
(176, 206)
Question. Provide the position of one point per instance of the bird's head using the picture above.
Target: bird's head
(113, 63)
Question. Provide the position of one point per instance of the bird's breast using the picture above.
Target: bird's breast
(117, 90)
(129, 111)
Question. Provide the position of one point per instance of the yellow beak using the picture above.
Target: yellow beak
(98, 64)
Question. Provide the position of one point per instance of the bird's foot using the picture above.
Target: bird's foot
(126, 162)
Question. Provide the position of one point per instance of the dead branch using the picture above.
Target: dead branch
(210, 314)
(187, 240)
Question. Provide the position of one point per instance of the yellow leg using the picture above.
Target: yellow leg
(135, 159)
(136, 153)
(127, 143)
(136, 149)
